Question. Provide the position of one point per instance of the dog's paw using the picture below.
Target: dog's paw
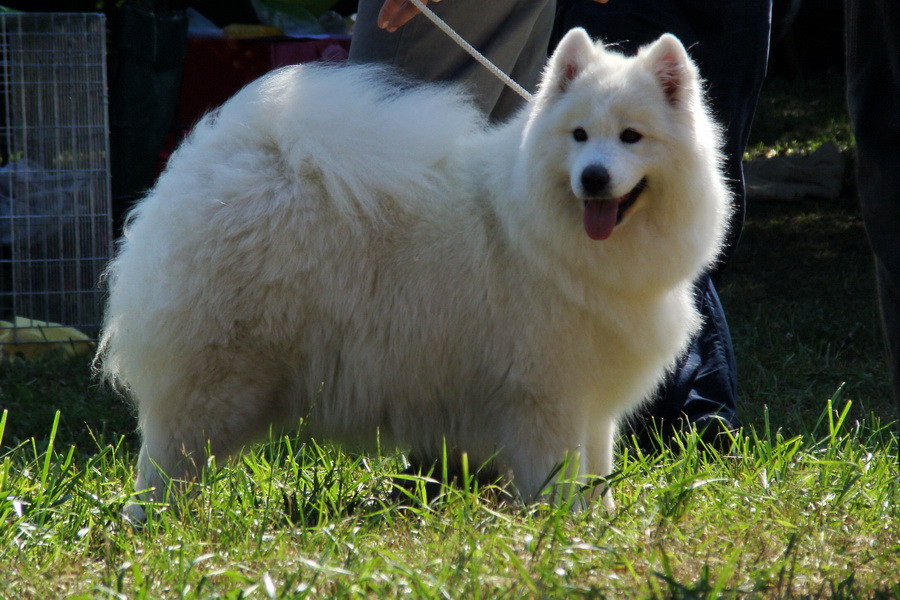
(607, 502)
(134, 515)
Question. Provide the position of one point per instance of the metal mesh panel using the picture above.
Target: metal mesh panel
(55, 214)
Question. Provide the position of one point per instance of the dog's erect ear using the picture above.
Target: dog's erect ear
(669, 61)
(574, 52)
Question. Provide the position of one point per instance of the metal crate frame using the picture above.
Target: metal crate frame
(55, 200)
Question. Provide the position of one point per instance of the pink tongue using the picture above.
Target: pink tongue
(600, 218)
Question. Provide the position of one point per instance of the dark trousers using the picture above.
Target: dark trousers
(873, 94)
(729, 41)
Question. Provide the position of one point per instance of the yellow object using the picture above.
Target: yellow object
(31, 338)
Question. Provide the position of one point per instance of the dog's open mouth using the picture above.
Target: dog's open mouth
(601, 215)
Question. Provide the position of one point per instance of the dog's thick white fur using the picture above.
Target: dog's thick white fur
(376, 261)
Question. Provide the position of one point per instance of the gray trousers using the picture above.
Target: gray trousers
(513, 34)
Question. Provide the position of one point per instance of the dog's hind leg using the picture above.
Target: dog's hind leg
(178, 437)
(169, 457)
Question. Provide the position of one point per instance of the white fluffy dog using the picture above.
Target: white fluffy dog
(375, 261)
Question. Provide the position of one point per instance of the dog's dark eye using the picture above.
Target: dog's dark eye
(630, 136)
(580, 135)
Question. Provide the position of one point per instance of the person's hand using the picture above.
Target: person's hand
(394, 14)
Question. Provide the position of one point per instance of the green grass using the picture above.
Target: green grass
(805, 505)
(778, 517)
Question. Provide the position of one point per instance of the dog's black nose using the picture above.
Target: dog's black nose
(595, 180)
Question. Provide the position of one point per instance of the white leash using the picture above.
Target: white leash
(471, 50)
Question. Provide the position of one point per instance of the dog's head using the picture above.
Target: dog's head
(623, 154)
(618, 123)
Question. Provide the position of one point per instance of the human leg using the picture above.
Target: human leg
(873, 93)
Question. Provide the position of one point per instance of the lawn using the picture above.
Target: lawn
(803, 506)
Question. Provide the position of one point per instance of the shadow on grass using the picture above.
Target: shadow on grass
(33, 391)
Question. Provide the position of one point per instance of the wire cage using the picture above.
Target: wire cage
(55, 209)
